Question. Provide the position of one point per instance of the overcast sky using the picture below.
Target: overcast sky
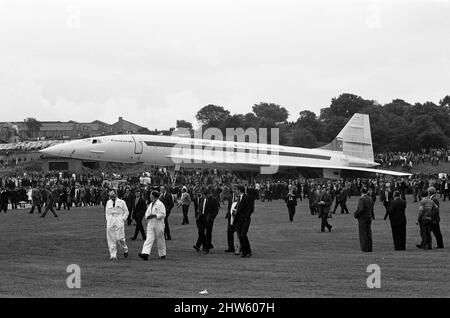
(154, 62)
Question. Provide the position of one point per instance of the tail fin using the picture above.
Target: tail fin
(354, 139)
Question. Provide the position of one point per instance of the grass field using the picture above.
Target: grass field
(289, 259)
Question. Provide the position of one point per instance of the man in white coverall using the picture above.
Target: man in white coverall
(156, 212)
(116, 214)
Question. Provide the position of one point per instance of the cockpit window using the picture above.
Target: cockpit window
(95, 141)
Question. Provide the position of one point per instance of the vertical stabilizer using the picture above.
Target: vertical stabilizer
(354, 139)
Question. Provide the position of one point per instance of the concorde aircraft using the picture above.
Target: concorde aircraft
(350, 152)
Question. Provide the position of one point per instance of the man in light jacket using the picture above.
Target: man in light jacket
(116, 212)
(156, 212)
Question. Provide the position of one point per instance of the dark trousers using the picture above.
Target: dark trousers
(324, 224)
(4, 207)
(335, 207)
(399, 236)
(63, 204)
(436, 230)
(166, 227)
(208, 233)
(38, 207)
(50, 208)
(185, 209)
(291, 210)
(312, 208)
(365, 235)
(242, 230)
(425, 234)
(344, 208)
(230, 235)
(201, 227)
(139, 228)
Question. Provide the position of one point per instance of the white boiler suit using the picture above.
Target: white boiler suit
(116, 214)
(155, 228)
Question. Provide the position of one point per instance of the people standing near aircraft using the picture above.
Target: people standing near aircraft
(427, 213)
(35, 200)
(397, 218)
(167, 199)
(364, 215)
(51, 201)
(324, 203)
(386, 196)
(139, 209)
(242, 221)
(230, 218)
(208, 210)
(4, 197)
(185, 202)
(435, 226)
(155, 215)
(116, 213)
(291, 202)
(129, 199)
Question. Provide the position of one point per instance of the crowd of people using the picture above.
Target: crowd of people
(407, 160)
(157, 191)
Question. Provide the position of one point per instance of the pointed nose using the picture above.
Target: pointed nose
(57, 150)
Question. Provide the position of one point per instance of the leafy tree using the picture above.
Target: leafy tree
(270, 112)
(302, 137)
(33, 126)
(347, 104)
(212, 115)
(184, 124)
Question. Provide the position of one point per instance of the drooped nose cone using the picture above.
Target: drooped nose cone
(57, 150)
(61, 150)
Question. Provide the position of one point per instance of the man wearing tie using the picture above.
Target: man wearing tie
(139, 209)
(242, 221)
(167, 199)
(230, 225)
(155, 215)
(116, 214)
(386, 197)
(208, 210)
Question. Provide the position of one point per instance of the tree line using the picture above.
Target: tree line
(395, 126)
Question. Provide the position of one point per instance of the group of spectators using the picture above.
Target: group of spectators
(407, 160)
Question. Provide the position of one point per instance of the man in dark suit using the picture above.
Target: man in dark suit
(4, 197)
(129, 199)
(324, 203)
(397, 217)
(386, 196)
(242, 221)
(167, 199)
(139, 209)
(230, 225)
(205, 216)
(364, 215)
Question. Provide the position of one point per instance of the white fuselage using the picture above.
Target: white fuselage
(167, 151)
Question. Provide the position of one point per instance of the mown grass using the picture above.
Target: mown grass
(289, 259)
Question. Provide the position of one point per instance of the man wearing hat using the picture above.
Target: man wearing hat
(397, 217)
(364, 215)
